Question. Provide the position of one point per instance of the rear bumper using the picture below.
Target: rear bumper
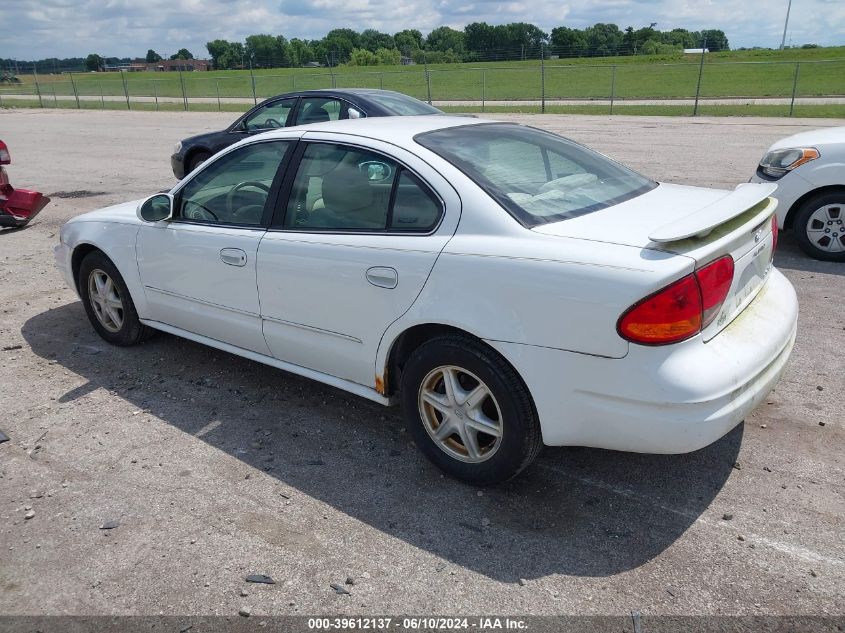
(672, 399)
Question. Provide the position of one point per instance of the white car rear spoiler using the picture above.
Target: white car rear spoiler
(699, 223)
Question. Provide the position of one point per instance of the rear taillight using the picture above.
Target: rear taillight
(5, 158)
(668, 316)
(680, 310)
(774, 233)
(715, 280)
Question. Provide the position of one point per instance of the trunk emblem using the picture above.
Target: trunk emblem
(758, 235)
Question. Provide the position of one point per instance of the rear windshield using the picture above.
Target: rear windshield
(402, 105)
(537, 176)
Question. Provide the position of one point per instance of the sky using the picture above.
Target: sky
(37, 29)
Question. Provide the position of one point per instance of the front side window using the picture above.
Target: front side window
(537, 176)
(318, 110)
(270, 116)
(344, 188)
(234, 188)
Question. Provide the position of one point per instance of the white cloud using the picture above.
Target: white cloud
(66, 28)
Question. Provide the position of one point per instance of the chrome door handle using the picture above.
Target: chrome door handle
(233, 257)
(383, 277)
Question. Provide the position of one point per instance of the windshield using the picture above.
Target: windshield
(537, 176)
(402, 105)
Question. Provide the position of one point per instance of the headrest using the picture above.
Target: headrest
(347, 189)
(316, 115)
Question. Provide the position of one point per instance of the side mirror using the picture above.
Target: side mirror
(156, 208)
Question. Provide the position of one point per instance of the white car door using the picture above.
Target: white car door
(199, 269)
(354, 240)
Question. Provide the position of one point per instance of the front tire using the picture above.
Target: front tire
(819, 226)
(197, 159)
(469, 411)
(107, 301)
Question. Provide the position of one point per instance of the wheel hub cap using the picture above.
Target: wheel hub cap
(105, 300)
(460, 414)
(825, 228)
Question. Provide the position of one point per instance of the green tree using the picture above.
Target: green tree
(339, 44)
(480, 37)
(218, 50)
(153, 57)
(233, 57)
(362, 57)
(715, 39)
(388, 57)
(444, 38)
(517, 35)
(93, 62)
(603, 39)
(408, 41)
(373, 40)
(679, 37)
(183, 53)
(568, 42)
(301, 52)
(267, 51)
(655, 47)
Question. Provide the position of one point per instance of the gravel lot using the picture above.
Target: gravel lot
(216, 467)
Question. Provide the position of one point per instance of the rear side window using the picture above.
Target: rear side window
(344, 188)
(402, 105)
(537, 176)
(318, 110)
(415, 208)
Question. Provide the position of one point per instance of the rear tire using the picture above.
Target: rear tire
(197, 159)
(819, 226)
(469, 411)
(108, 303)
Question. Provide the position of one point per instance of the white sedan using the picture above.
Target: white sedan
(508, 287)
(809, 170)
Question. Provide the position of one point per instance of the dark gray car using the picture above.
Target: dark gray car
(296, 108)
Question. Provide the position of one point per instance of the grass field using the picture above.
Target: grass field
(806, 111)
(820, 72)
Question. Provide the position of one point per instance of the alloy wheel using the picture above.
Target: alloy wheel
(105, 300)
(460, 414)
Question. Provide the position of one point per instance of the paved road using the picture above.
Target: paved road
(216, 467)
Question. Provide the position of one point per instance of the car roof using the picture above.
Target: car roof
(399, 130)
(361, 92)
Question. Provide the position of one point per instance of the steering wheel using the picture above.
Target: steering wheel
(230, 197)
(269, 122)
(200, 213)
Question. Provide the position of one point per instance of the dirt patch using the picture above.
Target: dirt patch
(80, 193)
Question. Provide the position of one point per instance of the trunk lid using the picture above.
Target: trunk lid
(698, 223)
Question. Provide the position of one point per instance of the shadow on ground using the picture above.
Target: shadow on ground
(789, 256)
(576, 511)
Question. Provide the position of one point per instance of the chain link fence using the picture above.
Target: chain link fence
(608, 88)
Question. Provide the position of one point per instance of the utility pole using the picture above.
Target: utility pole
(700, 73)
(785, 24)
(331, 70)
(37, 88)
(427, 77)
(542, 79)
